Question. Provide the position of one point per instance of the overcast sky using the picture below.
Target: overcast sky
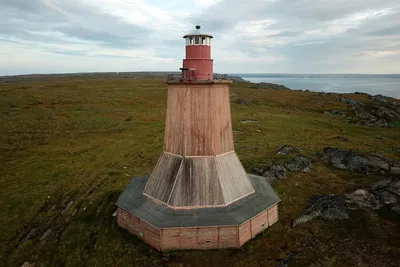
(272, 36)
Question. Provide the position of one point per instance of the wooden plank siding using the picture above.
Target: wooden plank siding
(233, 179)
(273, 215)
(228, 237)
(162, 179)
(201, 237)
(151, 235)
(174, 122)
(259, 223)
(198, 120)
(244, 233)
(198, 181)
(197, 184)
(222, 135)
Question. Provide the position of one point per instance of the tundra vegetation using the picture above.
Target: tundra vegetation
(69, 144)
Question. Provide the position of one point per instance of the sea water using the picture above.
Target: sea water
(388, 85)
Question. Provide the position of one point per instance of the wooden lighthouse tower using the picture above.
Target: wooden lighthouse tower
(198, 196)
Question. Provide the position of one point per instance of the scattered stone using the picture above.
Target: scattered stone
(287, 149)
(361, 93)
(394, 187)
(350, 160)
(381, 184)
(243, 102)
(27, 264)
(364, 198)
(300, 164)
(387, 113)
(341, 138)
(53, 208)
(396, 209)
(351, 102)
(67, 207)
(276, 171)
(386, 100)
(335, 113)
(237, 79)
(395, 171)
(74, 213)
(385, 197)
(328, 207)
(258, 171)
(364, 115)
(237, 132)
(247, 121)
(331, 207)
(125, 167)
(46, 234)
(264, 85)
(32, 234)
(286, 261)
(380, 194)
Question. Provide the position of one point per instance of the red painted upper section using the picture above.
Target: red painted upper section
(198, 57)
(198, 52)
(204, 68)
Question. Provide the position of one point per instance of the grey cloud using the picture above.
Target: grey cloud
(227, 13)
(393, 30)
(32, 21)
(72, 22)
(287, 33)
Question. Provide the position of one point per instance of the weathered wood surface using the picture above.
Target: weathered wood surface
(273, 214)
(259, 223)
(162, 179)
(244, 233)
(233, 178)
(174, 124)
(199, 181)
(198, 121)
(217, 237)
(197, 184)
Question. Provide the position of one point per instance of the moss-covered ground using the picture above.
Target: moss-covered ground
(69, 145)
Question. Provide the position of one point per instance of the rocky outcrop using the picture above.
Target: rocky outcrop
(351, 102)
(299, 164)
(385, 112)
(341, 138)
(277, 171)
(329, 207)
(335, 113)
(385, 100)
(287, 149)
(237, 79)
(263, 85)
(243, 102)
(385, 192)
(362, 163)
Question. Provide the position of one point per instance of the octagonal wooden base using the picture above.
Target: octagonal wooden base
(206, 228)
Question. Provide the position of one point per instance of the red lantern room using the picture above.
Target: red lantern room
(198, 64)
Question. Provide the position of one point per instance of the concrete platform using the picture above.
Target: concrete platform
(166, 228)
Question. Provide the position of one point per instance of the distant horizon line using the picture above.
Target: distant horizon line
(166, 72)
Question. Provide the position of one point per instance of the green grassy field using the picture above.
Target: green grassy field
(68, 147)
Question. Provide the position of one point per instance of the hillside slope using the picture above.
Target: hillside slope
(70, 144)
